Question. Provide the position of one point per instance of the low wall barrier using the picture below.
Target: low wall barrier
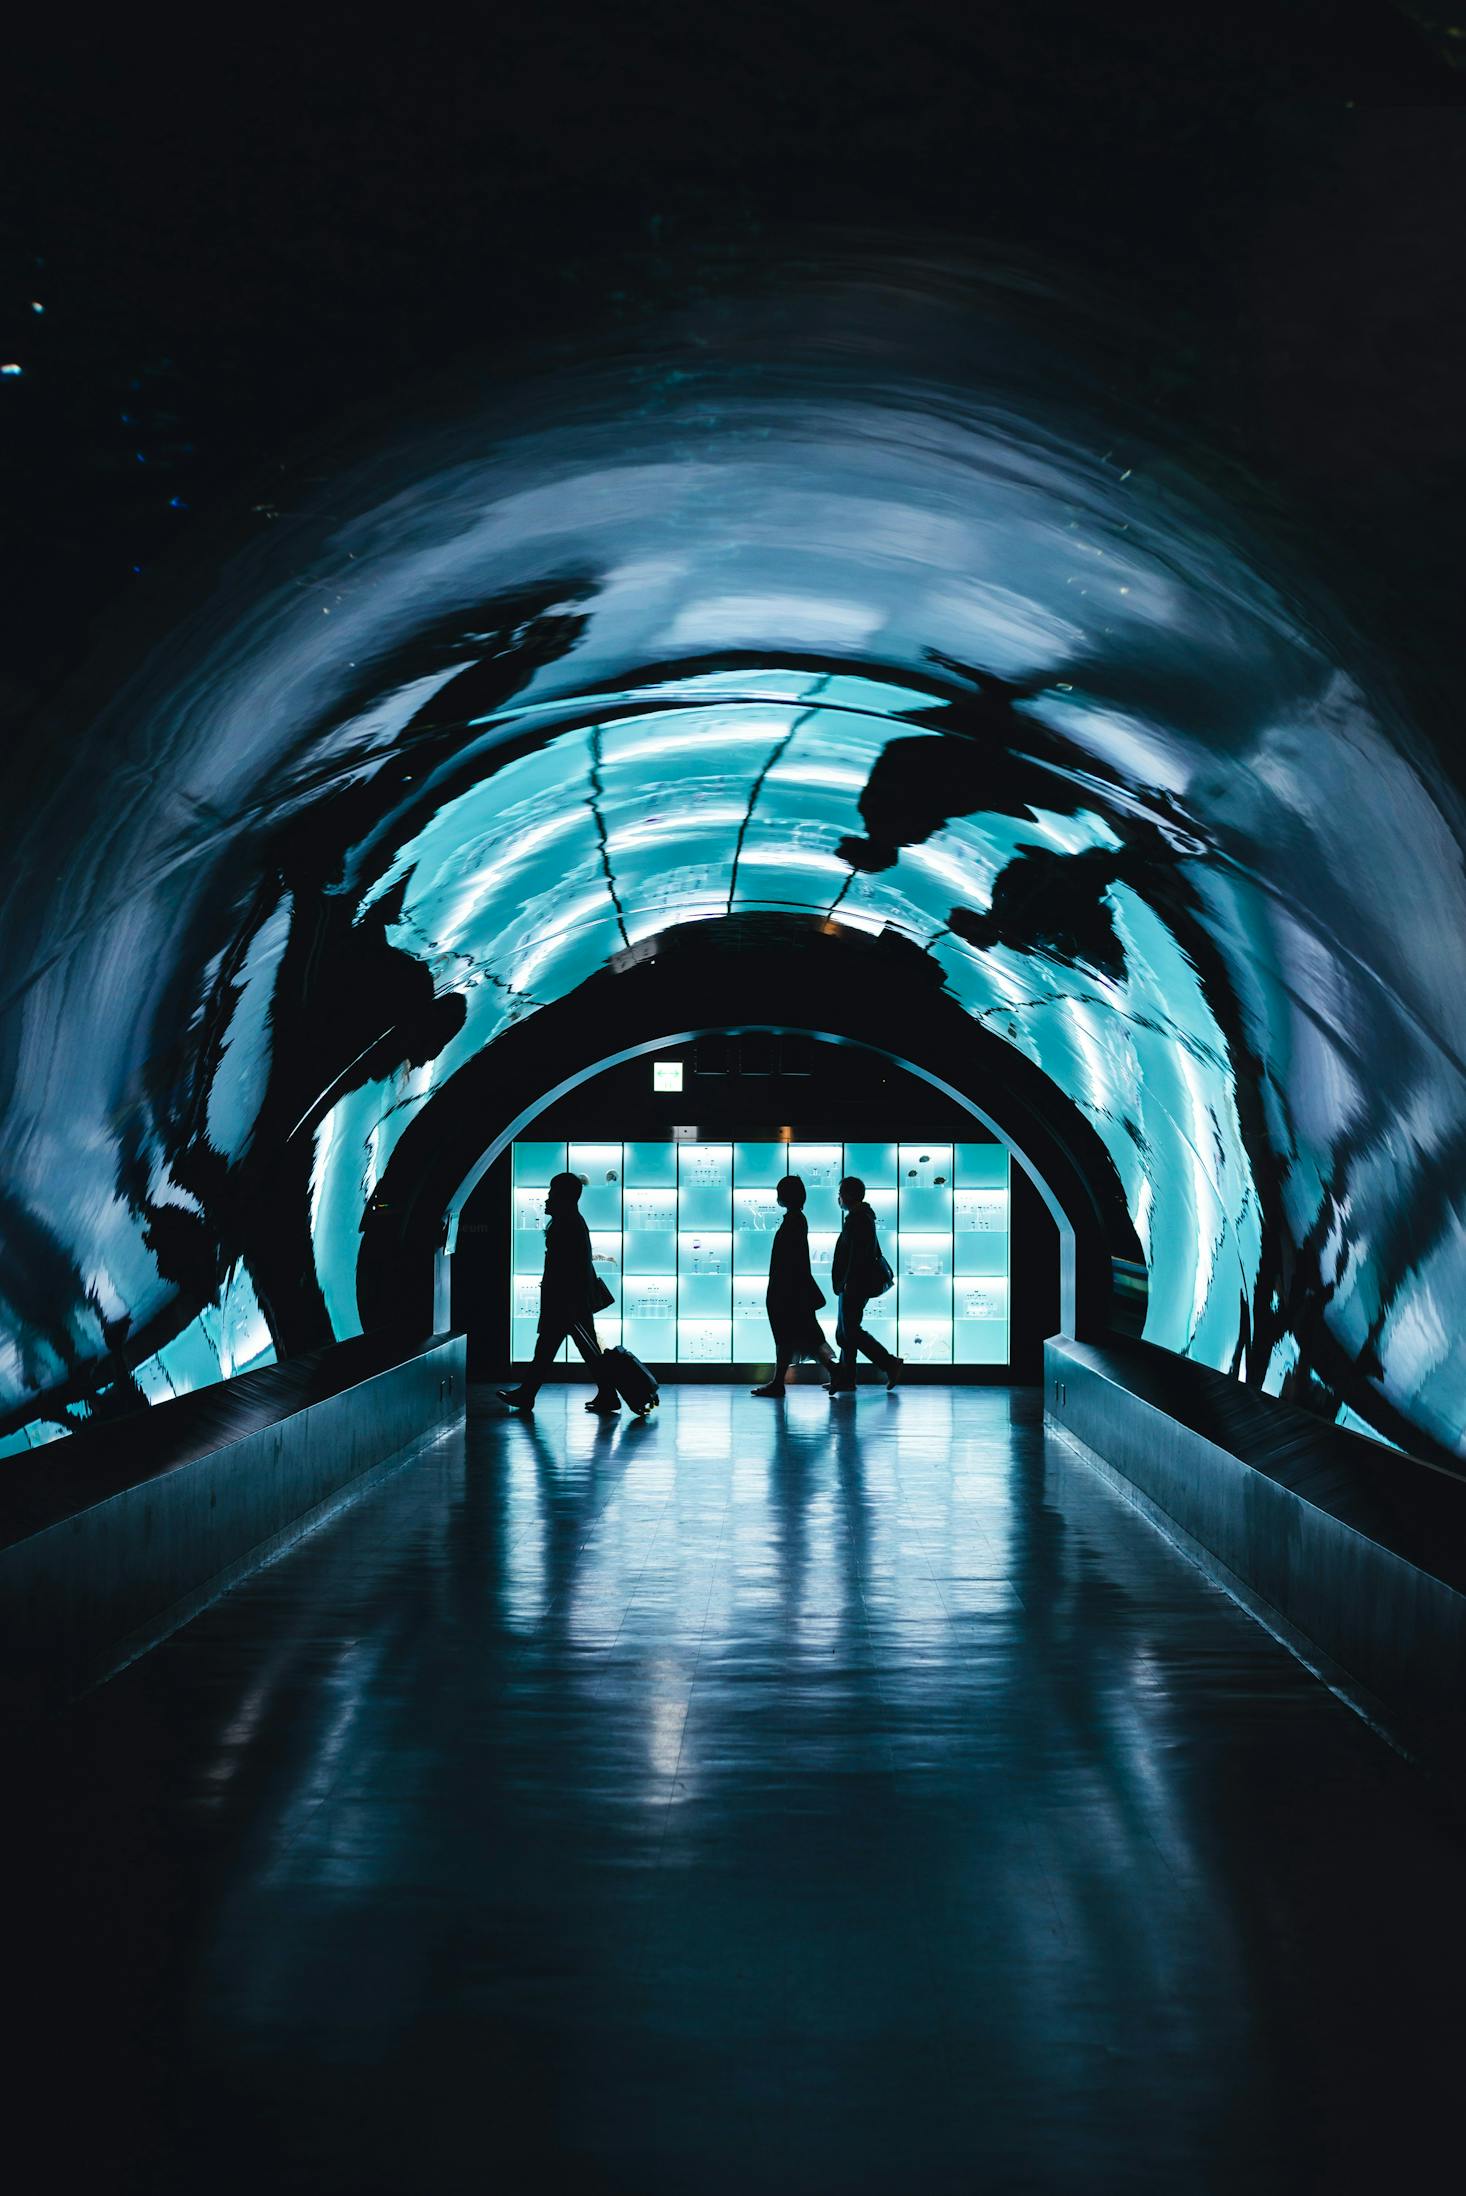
(104, 1558)
(1355, 1552)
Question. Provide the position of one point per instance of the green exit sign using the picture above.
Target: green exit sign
(666, 1075)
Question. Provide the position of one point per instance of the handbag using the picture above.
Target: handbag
(601, 1298)
(887, 1278)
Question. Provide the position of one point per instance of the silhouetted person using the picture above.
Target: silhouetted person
(793, 1295)
(571, 1293)
(860, 1272)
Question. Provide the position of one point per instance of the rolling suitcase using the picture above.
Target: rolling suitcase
(631, 1380)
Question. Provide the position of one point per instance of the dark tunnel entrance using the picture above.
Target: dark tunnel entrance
(679, 1150)
(751, 993)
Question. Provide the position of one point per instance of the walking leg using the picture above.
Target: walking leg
(880, 1356)
(847, 1331)
(547, 1345)
(783, 1357)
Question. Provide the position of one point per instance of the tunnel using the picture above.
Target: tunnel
(839, 693)
(919, 648)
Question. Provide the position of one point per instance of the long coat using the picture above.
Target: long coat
(793, 1295)
(857, 1268)
(568, 1289)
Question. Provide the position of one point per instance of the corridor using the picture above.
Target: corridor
(760, 1798)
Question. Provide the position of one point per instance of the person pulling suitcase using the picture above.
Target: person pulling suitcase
(571, 1293)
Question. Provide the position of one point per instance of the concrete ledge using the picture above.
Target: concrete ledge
(1358, 1551)
(85, 1593)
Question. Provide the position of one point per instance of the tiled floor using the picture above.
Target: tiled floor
(764, 1798)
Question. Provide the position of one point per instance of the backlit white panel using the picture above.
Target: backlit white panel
(681, 1230)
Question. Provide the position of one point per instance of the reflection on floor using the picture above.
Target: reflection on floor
(797, 1797)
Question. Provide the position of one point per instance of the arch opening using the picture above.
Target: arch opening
(733, 977)
(982, 1248)
(674, 1040)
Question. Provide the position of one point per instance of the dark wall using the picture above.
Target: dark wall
(233, 256)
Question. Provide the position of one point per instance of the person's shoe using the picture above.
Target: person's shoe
(771, 1387)
(836, 1386)
(516, 1399)
(604, 1406)
(893, 1372)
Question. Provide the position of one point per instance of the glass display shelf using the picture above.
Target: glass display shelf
(924, 1341)
(759, 1166)
(704, 1341)
(820, 1166)
(924, 1166)
(927, 1207)
(756, 1213)
(980, 1211)
(981, 1254)
(981, 1166)
(530, 1222)
(751, 1254)
(599, 1165)
(926, 1296)
(704, 1296)
(650, 1250)
(922, 1253)
(704, 1250)
(704, 1205)
(649, 1297)
(535, 1163)
(650, 1166)
(649, 1208)
(682, 1233)
(652, 1340)
(980, 1342)
(600, 1207)
(883, 1203)
(873, 1164)
(704, 1166)
(981, 1299)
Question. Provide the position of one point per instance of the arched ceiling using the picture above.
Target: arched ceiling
(862, 600)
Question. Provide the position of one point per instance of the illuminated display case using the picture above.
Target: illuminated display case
(680, 1232)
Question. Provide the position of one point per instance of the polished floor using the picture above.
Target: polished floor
(763, 1798)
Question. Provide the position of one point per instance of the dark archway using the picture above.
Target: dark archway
(756, 1086)
(789, 973)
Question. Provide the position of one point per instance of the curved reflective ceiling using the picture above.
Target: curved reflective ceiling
(868, 607)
